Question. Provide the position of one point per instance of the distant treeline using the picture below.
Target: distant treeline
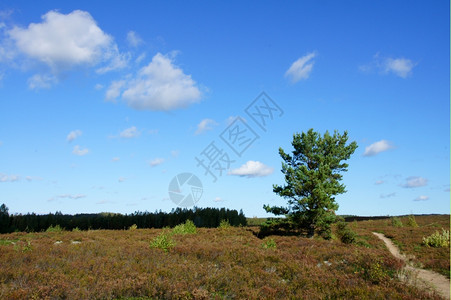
(202, 217)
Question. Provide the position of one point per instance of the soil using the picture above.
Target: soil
(426, 279)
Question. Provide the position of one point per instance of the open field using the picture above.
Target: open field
(221, 263)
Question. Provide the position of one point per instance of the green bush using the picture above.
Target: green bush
(411, 222)
(186, 228)
(269, 244)
(133, 227)
(163, 241)
(345, 234)
(76, 229)
(55, 228)
(224, 224)
(437, 239)
(396, 222)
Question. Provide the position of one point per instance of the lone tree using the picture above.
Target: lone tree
(312, 175)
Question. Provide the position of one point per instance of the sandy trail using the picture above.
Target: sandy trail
(427, 278)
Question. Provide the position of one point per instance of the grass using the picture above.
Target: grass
(211, 264)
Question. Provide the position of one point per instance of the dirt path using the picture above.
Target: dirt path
(427, 279)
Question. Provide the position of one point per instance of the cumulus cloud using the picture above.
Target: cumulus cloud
(114, 90)
(421, 198)
(161, 86)
(252, 169)
(73, 135)
(79, 151)
(9, 178)
(155, 162)
(133, 39)
(129, 133)
(378, 147)
(41, 81)
(401, 67)
(205, 125)
(415, 181)
(301, 68)
(63, 41)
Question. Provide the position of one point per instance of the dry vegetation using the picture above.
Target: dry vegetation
(222, 263)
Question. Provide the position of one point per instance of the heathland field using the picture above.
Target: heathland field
(219, 263)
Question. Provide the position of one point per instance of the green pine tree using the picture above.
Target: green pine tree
(312, 176)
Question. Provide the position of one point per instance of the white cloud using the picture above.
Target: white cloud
(400, 66)
(379, 182)
(116, 159)
(155, 162)
(30, 178)
(41, 81)
(421, 198)
(175, 153)
(301, 68)
(73, 135)
(121, 179)
(129, 133)
(378, 147)
(98, 86)
(415, 181)
(252, 169)
(218, 199)
(63, 41)
(205, 125)
(114, 90)
(68, 196)
(9, 178)
(133, 39)
(388, 195)
(79, 151)
(161, 86)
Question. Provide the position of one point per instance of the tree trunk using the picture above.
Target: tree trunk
(311, 231)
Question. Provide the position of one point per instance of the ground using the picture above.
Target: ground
(219, 263)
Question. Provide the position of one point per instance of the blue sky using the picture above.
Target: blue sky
(103, 103)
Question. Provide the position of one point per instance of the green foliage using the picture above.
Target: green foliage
(76, 229)
(269, 243)
(411, 222)
(55, 228)
(375, 273)
(186, 228)
(224, 224)
(133, 227)
(437, 239)
(396, 222)
(163, 241)
(345, 234)
(312, 176)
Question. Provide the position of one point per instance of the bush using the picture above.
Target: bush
(164, 241)
(55, 228)
(186, 228)
(345, 234)
(76, 229)
(224, 224)
(269, 244)
(437, 239)
(133, 227)
(396, 222)
(411, 222)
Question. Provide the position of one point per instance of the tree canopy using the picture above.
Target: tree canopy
(312, 175)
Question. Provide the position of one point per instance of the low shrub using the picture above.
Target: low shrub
(437, 239)
(133, 227)
(411, 222)
(55, 228)
(269, 244)
(224, 224)
(396, 222)
(345, 234)
(163, 241)
(186, 228)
